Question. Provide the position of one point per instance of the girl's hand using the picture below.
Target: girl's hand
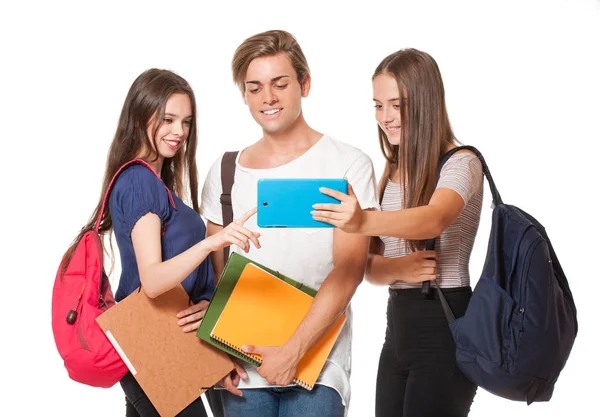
(347, 216)
(232, 379)
(192, 316)
(235, 234)
(418, 267)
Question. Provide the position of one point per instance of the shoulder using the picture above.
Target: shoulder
(212, 183)
(215, 169)
(463, 173)
(357, 168)
(138, 186)
(463, 160)
(466, 156)
(136, 192)
(136, 175)
(346, 152)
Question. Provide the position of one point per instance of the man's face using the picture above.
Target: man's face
(273, 93)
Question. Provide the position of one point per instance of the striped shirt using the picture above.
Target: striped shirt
(462, 173)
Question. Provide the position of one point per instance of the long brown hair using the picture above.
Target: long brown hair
(426, 130)
(145, 103)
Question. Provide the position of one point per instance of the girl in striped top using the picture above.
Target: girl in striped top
(417, 376)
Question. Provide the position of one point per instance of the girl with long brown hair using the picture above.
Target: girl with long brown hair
(418, 375)
(161, 239)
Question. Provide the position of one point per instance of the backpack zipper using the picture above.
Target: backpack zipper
(72, 314)
(521, 300)
(524, 281)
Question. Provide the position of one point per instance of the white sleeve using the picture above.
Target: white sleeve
(361, 176)
(210, 207)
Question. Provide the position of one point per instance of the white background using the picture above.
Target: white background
(522, 84)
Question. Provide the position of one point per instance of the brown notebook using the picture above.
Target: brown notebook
(172, 367)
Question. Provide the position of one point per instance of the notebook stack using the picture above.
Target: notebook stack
(254, 305)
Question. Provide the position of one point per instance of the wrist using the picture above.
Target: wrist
(399, 265)
(293, 349)
(205, 245)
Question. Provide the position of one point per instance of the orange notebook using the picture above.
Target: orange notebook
(263, 310)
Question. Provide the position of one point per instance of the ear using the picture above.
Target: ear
(306, 86)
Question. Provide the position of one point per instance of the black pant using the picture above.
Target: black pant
(137, 403)
(417, 375)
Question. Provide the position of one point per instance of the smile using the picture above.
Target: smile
(271, 111)
(173, 144)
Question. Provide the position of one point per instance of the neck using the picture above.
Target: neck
(156, 165)
(298, 134)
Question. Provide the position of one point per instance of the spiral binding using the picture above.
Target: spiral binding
(256, 360)
(302, 384)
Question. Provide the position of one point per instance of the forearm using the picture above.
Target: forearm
(158, 278)
(382, 270)
(418, 223)
(330, 302)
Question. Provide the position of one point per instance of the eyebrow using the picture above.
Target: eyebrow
(175, 115)
(392, 99)
(272, 80)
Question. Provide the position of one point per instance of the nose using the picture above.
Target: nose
(177, 129)
(387, 115)
(269, 97)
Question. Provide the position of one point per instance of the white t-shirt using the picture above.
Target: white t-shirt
(305, 255)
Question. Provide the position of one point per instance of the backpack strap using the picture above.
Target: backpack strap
(227, 179)
(112, 183)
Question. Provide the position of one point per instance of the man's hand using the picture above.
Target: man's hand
(279, 365)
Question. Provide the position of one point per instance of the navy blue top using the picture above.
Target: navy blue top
(136, 192)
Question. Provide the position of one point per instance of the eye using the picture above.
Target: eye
(254, 90)
(167, 120)
(188, 122)
(397, 106)
(378, 106)
(281, 87)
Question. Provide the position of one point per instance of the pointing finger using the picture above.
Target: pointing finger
(246, 216)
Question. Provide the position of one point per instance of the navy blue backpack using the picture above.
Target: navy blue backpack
(521, 321)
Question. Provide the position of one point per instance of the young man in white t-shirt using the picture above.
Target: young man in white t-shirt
(271, 71)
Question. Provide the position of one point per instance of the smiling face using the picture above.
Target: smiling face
(175, 126)
(386, 96)
(273, 93)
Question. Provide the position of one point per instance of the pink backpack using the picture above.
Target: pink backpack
(78, 297)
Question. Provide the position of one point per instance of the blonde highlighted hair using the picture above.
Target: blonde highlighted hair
(265, 44)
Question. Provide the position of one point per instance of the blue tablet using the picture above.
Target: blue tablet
(287, 202)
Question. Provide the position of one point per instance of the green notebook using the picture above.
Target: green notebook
(231, 273)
